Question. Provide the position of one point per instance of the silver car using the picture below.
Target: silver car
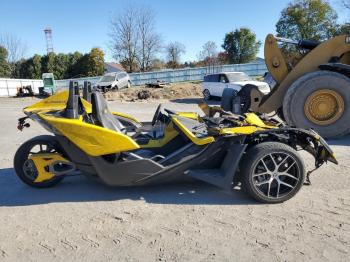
(110, 81)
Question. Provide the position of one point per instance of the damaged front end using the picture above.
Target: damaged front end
(299, 139)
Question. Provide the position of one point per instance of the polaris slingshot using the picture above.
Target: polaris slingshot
(217, 147)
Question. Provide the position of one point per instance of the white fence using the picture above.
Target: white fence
(8, 87)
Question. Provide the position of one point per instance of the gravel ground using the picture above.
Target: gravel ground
(83, 220)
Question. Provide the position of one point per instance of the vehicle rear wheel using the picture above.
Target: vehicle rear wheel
(319, 100)
(206, 95)
(272, 172)
(25, 168)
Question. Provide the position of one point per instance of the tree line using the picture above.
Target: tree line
(135, 43)
(63, 66)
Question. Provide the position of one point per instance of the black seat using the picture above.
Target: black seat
(87, 91)
(102, 116)
(72, 107)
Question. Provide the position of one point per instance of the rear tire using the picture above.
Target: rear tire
(272, 172)
(319, 100)
(22, 155)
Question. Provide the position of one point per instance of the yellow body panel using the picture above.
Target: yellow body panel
(188, 115)
(191, 136)
(241, 130)
(87, 106)
(253, 119)
(126, 116)
(43, 160)
(93, 140)
(55, 102)
(169, 134)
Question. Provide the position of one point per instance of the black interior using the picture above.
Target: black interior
(102, 116)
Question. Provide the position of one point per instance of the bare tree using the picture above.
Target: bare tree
(346, 4)
(149, 41)
(133, 36)
(174, 50)
(124, 37)
(209, 53)
(16, 49)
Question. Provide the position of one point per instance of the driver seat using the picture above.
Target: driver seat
(102, 116)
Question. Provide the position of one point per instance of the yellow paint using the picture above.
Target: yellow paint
(86, 105)
(43, 160)
(191, 136)
(188, 115)
(241, 130)
(253, 119)
(93, 140)
(126, 116)
(169, 134)
(55, 102)
(324, 106)
(274, 59)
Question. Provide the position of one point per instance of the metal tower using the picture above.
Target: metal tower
(48, 36)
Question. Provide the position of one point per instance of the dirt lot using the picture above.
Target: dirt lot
(83, 220)
(170, 91)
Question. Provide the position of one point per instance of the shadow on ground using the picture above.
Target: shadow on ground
(82, 189)
(342, 141)
(195, 100)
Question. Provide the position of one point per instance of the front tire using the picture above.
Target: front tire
(272, 172)
(25, 168)
(319, 100)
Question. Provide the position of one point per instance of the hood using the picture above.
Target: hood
(263, 86)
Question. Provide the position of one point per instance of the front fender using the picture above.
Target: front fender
(308, 140)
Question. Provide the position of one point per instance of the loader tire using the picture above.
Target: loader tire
(227, 98)
(319, 100)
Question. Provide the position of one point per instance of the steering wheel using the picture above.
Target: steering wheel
(156, 115)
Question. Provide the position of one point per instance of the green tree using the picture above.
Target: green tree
(95, 62)
(4, 66)
(73, 69)
(61, 65)
(241, 46)
(307, 19)
(30, 68)
(48, 63)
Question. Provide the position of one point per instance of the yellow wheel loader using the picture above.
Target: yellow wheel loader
(315, 93)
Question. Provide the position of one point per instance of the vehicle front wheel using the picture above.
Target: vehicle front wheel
(24, 166)
(206, 95)
(272, 172)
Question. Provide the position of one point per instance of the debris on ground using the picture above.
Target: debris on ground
(144, 94)
(25, 91)
(175, 91)
(157, 84)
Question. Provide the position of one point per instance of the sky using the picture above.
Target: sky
(80, 25)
